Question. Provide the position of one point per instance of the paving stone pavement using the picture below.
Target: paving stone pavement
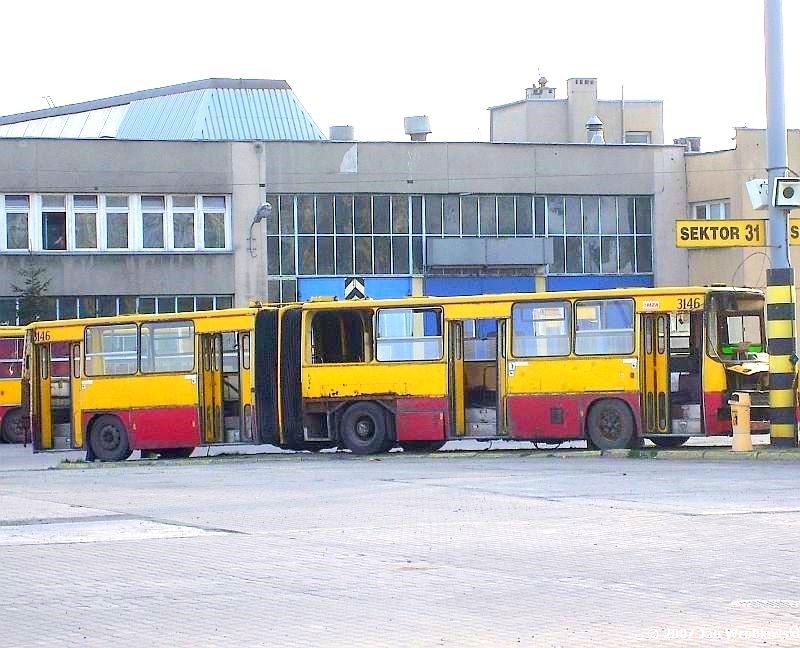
(412, 551)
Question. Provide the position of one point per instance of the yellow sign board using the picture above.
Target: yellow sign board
(794, 231)
(721, 233)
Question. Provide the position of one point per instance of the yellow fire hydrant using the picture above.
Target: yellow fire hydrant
(740, 418)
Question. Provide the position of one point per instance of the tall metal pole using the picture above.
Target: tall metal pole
(780, 276)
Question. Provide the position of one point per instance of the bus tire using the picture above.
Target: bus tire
(108, 439)
(610, 425)
(14, 427)
(671, 442)
(363, 429)
(421, 446)
(175, 453)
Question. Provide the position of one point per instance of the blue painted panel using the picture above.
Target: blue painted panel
(320, 287)
(450, 286)
(387, 287)
(597, 282)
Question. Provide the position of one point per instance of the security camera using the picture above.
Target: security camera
(786, 193)
(758, 191)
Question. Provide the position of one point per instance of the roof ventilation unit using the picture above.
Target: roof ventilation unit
(342, 133)
(418, 127)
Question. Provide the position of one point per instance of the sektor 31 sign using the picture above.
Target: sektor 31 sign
(727, 233)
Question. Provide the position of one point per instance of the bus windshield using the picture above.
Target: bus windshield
(736, 327)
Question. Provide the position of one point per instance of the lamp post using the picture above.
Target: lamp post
(263, 211)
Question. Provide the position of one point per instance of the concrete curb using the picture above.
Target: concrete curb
(685, 454)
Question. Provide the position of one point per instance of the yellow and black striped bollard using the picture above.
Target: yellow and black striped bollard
(782, 359)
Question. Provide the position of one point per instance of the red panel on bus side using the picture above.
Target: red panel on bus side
(421, 419)
(157, 427)
(558, 416)
(712, 403)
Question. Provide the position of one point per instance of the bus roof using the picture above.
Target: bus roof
(12, 331)
(143, 317)
(540, 296)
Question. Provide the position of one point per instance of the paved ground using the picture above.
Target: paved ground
(402, 550)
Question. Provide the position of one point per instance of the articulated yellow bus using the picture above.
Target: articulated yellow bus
(166, 383)
(612, 367)
(12, 416)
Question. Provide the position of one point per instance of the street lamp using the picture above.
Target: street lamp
(263, 211)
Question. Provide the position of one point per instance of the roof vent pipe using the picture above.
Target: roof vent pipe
(341, 133)
(594, 131)
(418, 127)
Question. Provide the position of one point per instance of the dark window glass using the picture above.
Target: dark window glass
(591, 215)
(16, 231)
(117, 230)
(364, 255)
(591, 254)
(380, 214)
(433, 214)
(400, 255)
(273, 291)
(127, 305)
(325, 255)
(400, 214)
(625, 208)
(644, 254)
(146, 305)
(185, 304)
(87, 306)
(505, 215)
(540, 209)
(609, 256)
(416, 214)
(287, 215)
(626, 255)
(488, 215)
(524, 218)
(344, 255)
(558, 266)
(153, 231)
(363, 206)
(8, 311)
(54, 230)
(573, 216)
(287, 255)
(106, 306)
(574, 255)
(608, 214)
(85, 230)
(305, 214)
(307, 256)
(383, 255)
(555, 214)
(48, 309)
(452, 221)
(344, 214)
(166, 304)
(288, 291)
(223, 301)
(644, 217)
(67, 308)
(417, 252)
(183, 230)
(204, 303)
(272, 221)
(273, 256)
(325, 214)
(469, 215)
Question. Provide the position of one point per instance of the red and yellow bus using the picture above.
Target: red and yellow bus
(12, 416)
(612, 367)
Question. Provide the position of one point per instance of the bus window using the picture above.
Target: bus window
(167, 347)
(11, 357)
(341, 337)
(409, 334)
(744, 334)
(110, 350)
(604, 327)
(540, 329)
(480, 339)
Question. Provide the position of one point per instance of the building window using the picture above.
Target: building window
(85, 210)
(214, 209)
(637, 137)
(153, 222)
(15, 214)
(117, 223)
(714, 210)
(54, 223)
(183, 222)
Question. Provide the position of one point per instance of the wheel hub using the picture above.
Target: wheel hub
(365, 429)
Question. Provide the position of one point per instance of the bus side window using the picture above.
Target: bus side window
(340, 337)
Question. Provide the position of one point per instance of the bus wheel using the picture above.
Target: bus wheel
(670, 442)
(610, 424)
(109, 439)
(421, 446)
(175, 453)
(14, 427)
(363, 429)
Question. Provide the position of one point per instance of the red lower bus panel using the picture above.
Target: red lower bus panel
(712, 403)
(421, 419)
(558, 416)
(157, 427)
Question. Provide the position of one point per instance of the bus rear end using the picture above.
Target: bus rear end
(13, 421)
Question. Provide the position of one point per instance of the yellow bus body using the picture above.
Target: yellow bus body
(11, 417)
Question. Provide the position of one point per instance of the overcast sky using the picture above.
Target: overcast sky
(371, 63)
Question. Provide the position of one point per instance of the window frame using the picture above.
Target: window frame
(5, 210)
(723, 203)
(569, 335)
(107, 375)
(376, 334)
(175, 323)
(648, 135)
(575, 304)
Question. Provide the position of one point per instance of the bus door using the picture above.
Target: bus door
(655, 374)
(456, 378)
(502, 376)
(52, 396)
(211, 387)
(41, 419)
(75, 393)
